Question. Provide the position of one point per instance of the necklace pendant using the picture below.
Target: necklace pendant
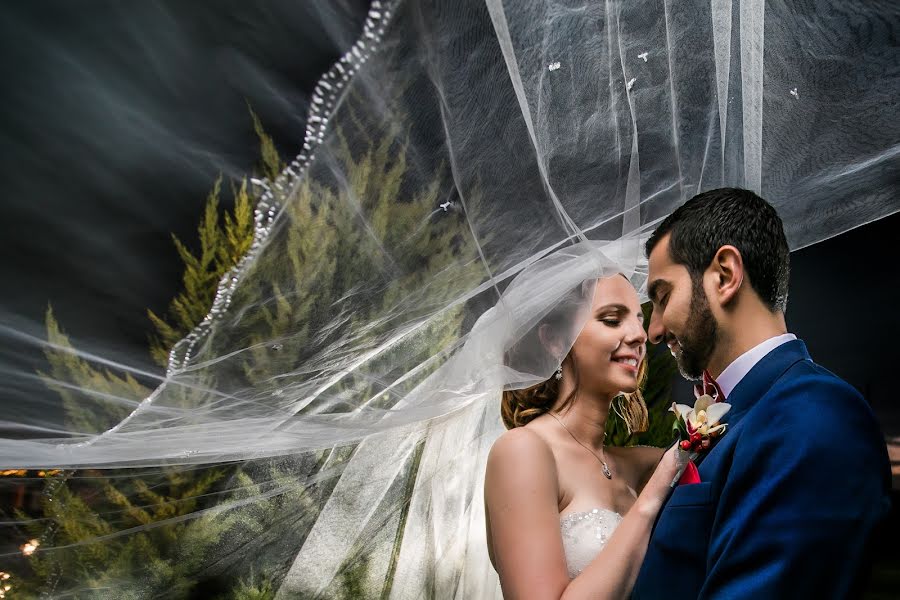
(606, 471)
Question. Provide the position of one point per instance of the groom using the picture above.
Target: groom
(791, 494)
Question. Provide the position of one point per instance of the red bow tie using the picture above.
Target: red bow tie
(709, 386)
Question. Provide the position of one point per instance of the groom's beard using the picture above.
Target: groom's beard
(698, 340)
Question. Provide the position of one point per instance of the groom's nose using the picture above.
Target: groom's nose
(655, 330)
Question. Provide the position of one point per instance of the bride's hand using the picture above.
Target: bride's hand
(657, 488)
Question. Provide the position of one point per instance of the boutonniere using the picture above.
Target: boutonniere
(697, 428)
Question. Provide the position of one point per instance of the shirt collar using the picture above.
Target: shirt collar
(736, 371)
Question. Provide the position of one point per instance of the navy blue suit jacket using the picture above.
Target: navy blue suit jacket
(789, 496)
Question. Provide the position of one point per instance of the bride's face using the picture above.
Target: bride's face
(610, 348)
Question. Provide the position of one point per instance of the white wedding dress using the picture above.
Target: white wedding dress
(584, 534)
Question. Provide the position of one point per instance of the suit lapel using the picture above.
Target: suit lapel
(762, 377)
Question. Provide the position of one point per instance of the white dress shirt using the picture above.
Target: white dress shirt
(736, 371)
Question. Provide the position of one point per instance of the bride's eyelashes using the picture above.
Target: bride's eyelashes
(612, 318)
(615, 321)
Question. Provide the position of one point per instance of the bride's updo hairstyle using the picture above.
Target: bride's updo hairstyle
(519, 407)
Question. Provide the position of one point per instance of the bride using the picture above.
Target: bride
(567, 516)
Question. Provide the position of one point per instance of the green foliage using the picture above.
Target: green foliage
(271, 163)
(222, 244)
(355, 235)
(79, 508)
(72, 519)
(333, 239)
(253, 588)
(87, 514)
(93, 399)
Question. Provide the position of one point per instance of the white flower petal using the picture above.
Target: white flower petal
(684, 410)
(703, 402)
(716, 411)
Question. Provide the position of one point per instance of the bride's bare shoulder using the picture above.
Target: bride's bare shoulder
(520, 456)
(519, 443)
(520, 486)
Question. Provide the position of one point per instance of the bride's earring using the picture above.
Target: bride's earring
(559, 373)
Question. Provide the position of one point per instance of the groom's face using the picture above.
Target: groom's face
(681, 318)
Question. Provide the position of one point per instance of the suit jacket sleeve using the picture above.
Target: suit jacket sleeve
(805, 489)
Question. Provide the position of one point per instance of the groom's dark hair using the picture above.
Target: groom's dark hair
(736, 217)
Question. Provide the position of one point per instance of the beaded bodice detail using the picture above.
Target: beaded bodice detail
(584, 534)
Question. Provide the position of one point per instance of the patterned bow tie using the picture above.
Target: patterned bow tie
(709, 386)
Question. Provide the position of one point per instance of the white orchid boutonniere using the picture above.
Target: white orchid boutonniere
(699, 425)
(697, 428)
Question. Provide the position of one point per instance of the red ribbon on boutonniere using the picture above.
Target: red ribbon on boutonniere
(708, 387)
(697, 428)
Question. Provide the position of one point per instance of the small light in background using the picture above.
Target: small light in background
(30, 546)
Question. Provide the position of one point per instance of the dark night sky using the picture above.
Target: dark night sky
(842, 304)
(117, 117)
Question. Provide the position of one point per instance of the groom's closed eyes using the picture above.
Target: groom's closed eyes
(657, 289)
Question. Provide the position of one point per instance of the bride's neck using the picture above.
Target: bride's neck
(585, 418)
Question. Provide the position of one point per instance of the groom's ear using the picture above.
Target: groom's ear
(727, 273)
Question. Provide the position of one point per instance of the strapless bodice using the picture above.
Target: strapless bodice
(584, 534)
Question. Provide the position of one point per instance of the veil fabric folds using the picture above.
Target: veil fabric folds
(465, 166)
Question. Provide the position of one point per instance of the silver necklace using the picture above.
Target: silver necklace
(606, 470)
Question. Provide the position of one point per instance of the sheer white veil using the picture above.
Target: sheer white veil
(465, 167)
